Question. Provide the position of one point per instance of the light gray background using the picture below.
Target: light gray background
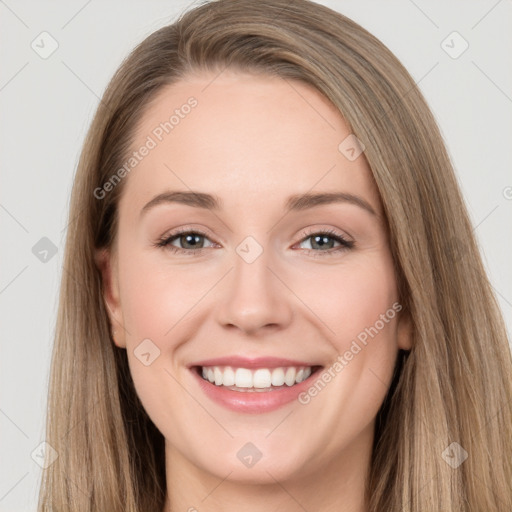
(47, 105)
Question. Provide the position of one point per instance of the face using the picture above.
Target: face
(277, 269)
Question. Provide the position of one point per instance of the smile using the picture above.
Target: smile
(261, 379)
(253, 385)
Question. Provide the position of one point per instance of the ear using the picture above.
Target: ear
(404, 330)
(106, 262)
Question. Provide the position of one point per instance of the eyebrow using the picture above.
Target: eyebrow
(298, 202)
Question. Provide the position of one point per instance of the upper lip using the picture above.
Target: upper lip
(256, 362)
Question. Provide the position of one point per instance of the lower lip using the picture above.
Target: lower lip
(253, 401)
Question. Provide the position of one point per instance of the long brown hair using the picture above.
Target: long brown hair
(454, 386)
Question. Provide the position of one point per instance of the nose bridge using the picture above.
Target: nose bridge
(251, 273)
(254, 297)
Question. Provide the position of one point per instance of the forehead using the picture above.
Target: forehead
(244, 136)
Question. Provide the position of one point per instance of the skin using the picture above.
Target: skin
(253, 141)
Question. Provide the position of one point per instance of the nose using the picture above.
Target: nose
(254, 297)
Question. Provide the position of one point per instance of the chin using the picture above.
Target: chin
(245, 466)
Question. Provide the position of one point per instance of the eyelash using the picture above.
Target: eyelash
(165, 241)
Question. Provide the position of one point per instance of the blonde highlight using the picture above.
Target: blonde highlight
(454, 385)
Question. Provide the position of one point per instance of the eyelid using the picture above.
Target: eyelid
(191, 228)
(164, 240)
(346, 242)
(309, 231)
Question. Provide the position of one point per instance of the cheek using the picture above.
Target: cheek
(154, 307)
(154, 298)
(358, 307)
(351, 298)
(345, 299)
(337, 304)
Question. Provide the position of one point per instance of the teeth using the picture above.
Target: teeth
(255, 379)
(218, 376)
(277, 377)
(228, 378)
(289, 377)
(262, 379)
(243, 378)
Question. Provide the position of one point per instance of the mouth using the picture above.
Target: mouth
(253, 384)
(255, 380)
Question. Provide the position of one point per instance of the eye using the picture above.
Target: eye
(321, 240)
(190, 241)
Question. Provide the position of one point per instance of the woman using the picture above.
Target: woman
(205, 358)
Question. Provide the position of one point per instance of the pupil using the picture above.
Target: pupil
(189, 238)
(321, 240)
